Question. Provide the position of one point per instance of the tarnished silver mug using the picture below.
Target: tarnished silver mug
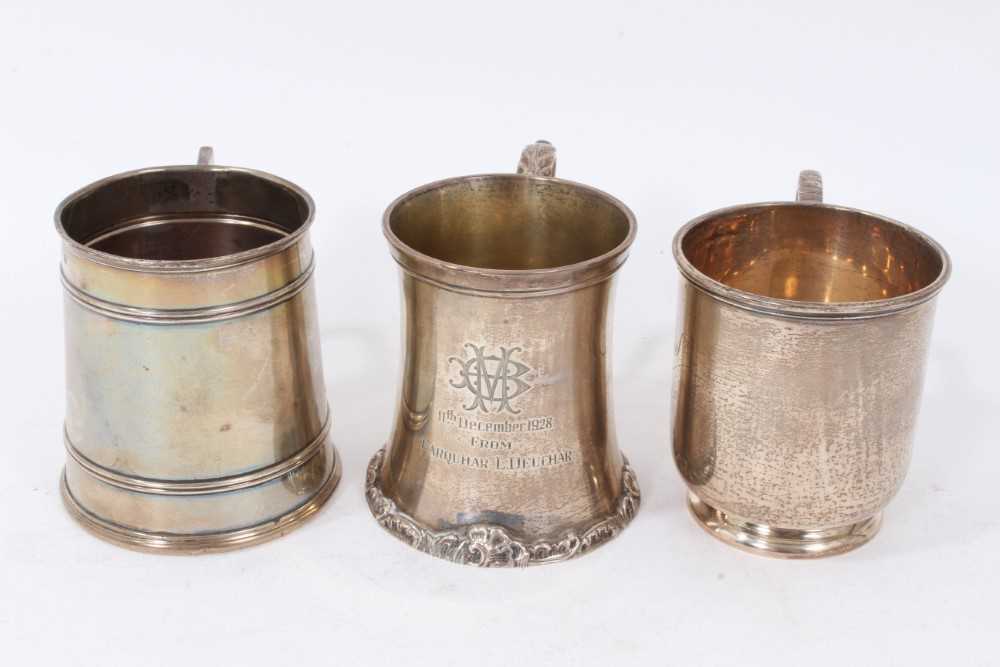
(504, 450)
(799, 364)
(196, 416)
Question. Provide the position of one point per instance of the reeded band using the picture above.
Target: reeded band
(501, 292)
(189, 315)
(200, 486)
(225, 540)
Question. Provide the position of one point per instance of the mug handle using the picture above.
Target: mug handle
(810, 190)
(538, 159)
(206, 156)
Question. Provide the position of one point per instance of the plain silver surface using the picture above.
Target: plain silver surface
(675, 109)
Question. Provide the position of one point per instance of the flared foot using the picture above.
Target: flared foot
(781, 542)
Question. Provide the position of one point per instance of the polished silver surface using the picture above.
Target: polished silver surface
(802, 341)
(196, 413)
(504, 451)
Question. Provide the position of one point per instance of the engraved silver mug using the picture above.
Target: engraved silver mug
(803, 337)
(503, 451)
(196, 413)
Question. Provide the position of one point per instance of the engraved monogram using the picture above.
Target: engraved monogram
(494, 380)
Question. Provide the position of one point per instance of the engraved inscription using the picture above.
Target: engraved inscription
(490, 433)
(484, 443)
(494, 380)
(529, 425)
(505, 461)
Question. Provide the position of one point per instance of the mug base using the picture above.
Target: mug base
(491, 545)
(776, 542)
(174, 543)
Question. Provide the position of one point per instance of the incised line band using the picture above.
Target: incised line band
(201, 542)
(200, 486)
(504, 293)
(189, 315)
(831, 316)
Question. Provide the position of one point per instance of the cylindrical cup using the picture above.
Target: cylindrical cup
(504, 450)
(799, 364)
(196, 416)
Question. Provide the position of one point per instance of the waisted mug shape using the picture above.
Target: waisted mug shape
(196, 416)
(503, 451)
(799, 364)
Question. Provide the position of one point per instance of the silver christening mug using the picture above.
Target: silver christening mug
(504, 450)
(799, 364)
(196, 414)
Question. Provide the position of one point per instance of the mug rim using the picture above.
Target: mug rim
(809, 309)
(183, 265)
(479, 279)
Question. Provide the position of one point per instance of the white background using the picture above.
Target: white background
(675, 110)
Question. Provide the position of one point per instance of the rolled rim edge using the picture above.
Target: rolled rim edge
(481, 273)
(809, 309)
(184, 265)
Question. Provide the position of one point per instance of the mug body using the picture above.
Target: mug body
(799, 362)
(196, 414)
(503, 451)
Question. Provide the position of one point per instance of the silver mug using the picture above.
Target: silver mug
(802, 341)
(504, 452)
(196, 413)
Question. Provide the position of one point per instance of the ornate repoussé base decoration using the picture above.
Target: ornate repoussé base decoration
(489, 545)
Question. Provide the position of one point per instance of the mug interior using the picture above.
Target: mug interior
(812, 253)
(509, 222)
(176, 214)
